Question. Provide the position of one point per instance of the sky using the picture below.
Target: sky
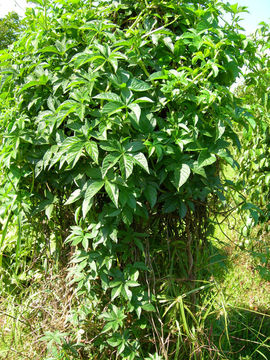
(259, 10)
(12, 5)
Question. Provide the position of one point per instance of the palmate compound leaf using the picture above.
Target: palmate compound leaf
(181, 175)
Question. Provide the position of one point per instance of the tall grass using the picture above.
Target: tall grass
(229, 320)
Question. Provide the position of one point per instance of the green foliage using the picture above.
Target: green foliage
(254, 175)
(115, 118)
(10, 27)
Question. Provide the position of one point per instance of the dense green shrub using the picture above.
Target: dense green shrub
(115, 119)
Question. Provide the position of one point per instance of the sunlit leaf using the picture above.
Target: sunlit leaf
(109, 96)
(92, 189)
(136, 110)
(76, 195)
(141, 161)
(206, 159)
(92, 149)
(113, 192)
(138, 85)
(181, 175)
(126, 165)
(108, 162)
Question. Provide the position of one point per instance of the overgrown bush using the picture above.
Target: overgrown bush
(115, 120)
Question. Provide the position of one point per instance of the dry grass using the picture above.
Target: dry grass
(44, 306)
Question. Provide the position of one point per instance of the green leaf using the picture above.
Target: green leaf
(122, 347)
(110, 145)
(131, 200)
(143, 99)
(93, 188)
(116, 291)
(85, 243)
(169, 43)
(148, 307)
(110, 97)
(92, 150)
(112, 108)
(127, 216)
(108, 162)
(82, 58)
(138, 85)
(220, 129)
(126, 165)
(150, 193)
(181, 175)
(139, 244)
(205, 158)
(113, 192)
(114, 63)
(215, 70)
(114, 341)
(42, 81)
(115, 283)
(49, 210)
(93, 173)
(76, 195)
(110, 325)
(134, 146)
(158, 75)
(132, 283)
(65, 109)
(49, 49)
(135, 108)
(140, 159)
(198, 170)
(90, 192)
(182, 210)
(126, 292)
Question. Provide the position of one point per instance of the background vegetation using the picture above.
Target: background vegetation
(10, 27)
(134, 201)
